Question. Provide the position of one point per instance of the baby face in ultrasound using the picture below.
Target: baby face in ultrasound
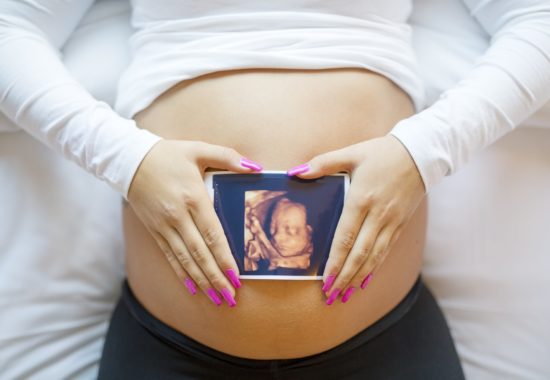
(289, 230)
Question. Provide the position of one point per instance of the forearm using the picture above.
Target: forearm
(508, 83)
(38, 94)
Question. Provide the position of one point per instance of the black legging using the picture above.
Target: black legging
(411, 342)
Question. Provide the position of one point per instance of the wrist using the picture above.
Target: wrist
(407, 160)
(136, 159)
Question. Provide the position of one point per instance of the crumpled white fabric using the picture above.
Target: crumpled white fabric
(39, 95)
(61, 246)
(507, 84)
(488, 247)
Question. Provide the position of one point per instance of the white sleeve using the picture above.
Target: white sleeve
(509, 82)
(39, 94)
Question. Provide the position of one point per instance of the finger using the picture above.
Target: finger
(377, 262)
(349, 225)
(324, 164)
(203, 257)
(212, 233)
(221, 157)
(357, 257)
(176, 265)
(381, 248)
(186, 260)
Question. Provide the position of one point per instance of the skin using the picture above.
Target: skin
(372, 220)
(181, 219)
(370, 223)
(179, 215)
(273, 118)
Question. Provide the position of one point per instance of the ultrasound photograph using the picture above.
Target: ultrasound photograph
(278, 227)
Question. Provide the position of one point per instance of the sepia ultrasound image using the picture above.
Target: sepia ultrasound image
(279, 227)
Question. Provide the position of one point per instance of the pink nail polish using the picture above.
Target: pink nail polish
(333, 296)
(190, 286)
(328, 282)
(348, 294)
(228, 297)
(298, 170)
(366, 281)
(245, 162)
(233, 278)
(214, 296)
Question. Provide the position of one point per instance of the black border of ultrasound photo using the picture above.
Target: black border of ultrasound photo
(321, 198)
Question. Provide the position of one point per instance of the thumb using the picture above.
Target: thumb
(221, 157)
(324, 164)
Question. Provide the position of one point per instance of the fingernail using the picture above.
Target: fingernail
(245, 162)
(348, 294)
(190, 286)
(233, 278)
(333, 296)
(366, 281)
(228, 297)
(214, 296)
(328, 282)
(298, 170)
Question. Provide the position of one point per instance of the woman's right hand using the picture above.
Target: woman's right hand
(169, 196)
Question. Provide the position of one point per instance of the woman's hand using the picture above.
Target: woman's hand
(385, 190)
(169, 196)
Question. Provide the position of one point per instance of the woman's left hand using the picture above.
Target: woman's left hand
(385, 190)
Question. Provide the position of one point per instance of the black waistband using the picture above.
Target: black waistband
(187, 344)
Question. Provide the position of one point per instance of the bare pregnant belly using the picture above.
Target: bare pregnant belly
(280, 118)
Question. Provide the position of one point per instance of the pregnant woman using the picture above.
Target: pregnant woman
(179, 87)
(310, 87)
(279, 118)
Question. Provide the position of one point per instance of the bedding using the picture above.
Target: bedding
(488, 245)
(61, 248)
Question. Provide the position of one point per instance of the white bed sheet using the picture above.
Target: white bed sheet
(488, 244)
(486, 258)
(61, 248)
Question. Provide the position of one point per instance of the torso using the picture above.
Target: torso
(256, 112)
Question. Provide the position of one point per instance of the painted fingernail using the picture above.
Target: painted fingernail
(328, 282)
(366, 281)
(190, 286)
(214, 296)
(333, 296)
(347, 294)
(228, 297)
(233, 278)
(245, 162)
(298, 170)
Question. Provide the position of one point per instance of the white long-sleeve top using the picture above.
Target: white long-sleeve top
(181, 39)
(39, 94)
(509, 82)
